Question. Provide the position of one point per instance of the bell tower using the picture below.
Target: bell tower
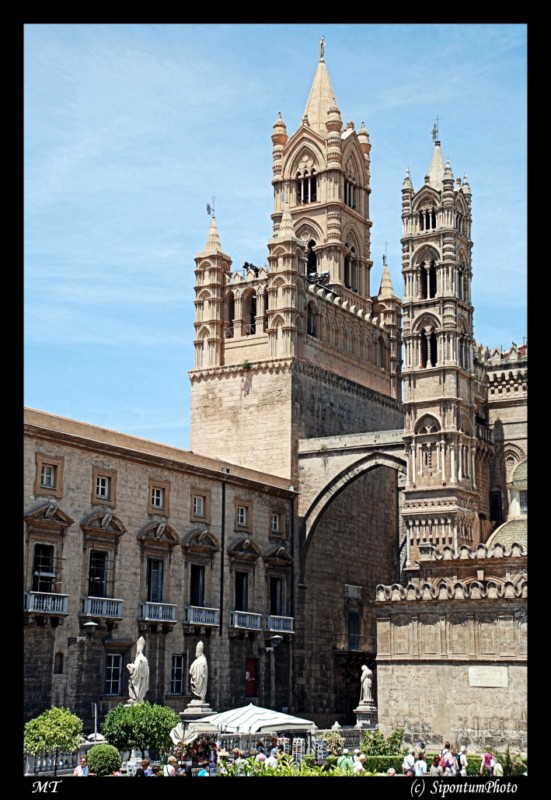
(440, 436)
(298, 347)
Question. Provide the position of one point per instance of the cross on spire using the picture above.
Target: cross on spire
(210, 208)
(435, 131)
(384, 256)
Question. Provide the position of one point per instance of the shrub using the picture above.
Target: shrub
(103, 760)
(334, 741)
(375, 744)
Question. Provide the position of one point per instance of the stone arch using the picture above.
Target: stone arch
(309, 154)
(308, 229)
(338, 483)
(425, 320)
(427, 424)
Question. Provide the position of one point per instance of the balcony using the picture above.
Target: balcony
(101, 607)
(47, 603)
(280, 624)
(245, 620)
(158, 612)
(197, 615)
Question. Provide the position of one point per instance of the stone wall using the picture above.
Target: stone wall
(353, 544)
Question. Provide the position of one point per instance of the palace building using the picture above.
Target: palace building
(356, 482)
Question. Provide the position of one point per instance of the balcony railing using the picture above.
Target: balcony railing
(197, 615)
(47, 603)
(244, 619)
(283, 624)
(486, 434)
(102, 607)
(158, 612)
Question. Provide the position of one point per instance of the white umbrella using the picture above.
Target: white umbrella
(255, 719)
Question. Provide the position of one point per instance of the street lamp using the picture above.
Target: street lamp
(272, 642)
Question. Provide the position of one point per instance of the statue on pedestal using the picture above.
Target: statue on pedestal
(199, 673)
(366, 684)
(138, 683)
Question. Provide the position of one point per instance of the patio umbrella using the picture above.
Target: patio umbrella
(254, 719)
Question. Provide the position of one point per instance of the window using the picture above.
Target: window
(523, 502)
(43, 568)
(49, 475)
(353, 630)
(98, 573)
(113, 673)
(177, 675)
(58, 664)
(159, 496)
(103, 487)
(243, 515)
(197, 585)
(241, 591)
(496, 512)
(307, 188)
(276, 597)
(200, 505)
(104, 483)
(275, 526)
(155, 567)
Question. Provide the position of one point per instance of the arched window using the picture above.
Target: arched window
(429, 348)
(230, 314)
(381, 353)
(351, 269)
(427, 279)
(307, 187)
(311, 258)
(249, 313)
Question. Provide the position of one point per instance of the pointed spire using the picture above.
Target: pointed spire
(320, 99)
(387, 290)
(466, 187)
(286, 227)
(436, 169)
(213, 239)
(407, 184)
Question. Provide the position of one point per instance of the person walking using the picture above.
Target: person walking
(420, 766)
(344, 761)
(487, 764)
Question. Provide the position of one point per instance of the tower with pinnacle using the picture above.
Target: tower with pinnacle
(298, 347)
(443, 446)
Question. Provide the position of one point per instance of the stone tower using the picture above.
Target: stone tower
(440, 384)
(298, 348)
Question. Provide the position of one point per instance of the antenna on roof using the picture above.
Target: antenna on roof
(210, 208)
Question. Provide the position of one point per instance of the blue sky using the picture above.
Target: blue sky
(131, 129)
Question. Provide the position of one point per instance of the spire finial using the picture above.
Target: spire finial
(435, 132)
(322, 48)
(384, 256)
(210, 208)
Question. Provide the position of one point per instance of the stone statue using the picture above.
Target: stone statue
(199, 673)
(322, 48)
(366, 682)
(138, 683)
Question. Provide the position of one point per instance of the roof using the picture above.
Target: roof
(320, 100)
(520, 475)
(513, 532)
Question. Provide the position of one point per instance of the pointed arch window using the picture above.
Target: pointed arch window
(249, 313)
(311, 258)
(312, 320)
(351, 269)
(429, 348)
(230, 314)
(427, 278)
(307, 187)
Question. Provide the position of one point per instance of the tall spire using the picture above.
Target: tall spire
(436, 169)
(386, 290)
(286, 227)
(213, 239)
(321, 97)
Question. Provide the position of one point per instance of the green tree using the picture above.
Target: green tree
(103, 760)
(142, 726)
(56, 730)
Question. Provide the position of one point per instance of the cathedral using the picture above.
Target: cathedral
(355, 492)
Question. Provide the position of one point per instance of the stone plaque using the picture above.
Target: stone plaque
(489, 677)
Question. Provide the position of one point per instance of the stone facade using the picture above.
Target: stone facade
(98, 551)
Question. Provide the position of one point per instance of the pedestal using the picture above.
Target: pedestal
(196, 709)
(366, 715)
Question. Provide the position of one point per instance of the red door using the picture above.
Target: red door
(251, 665)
